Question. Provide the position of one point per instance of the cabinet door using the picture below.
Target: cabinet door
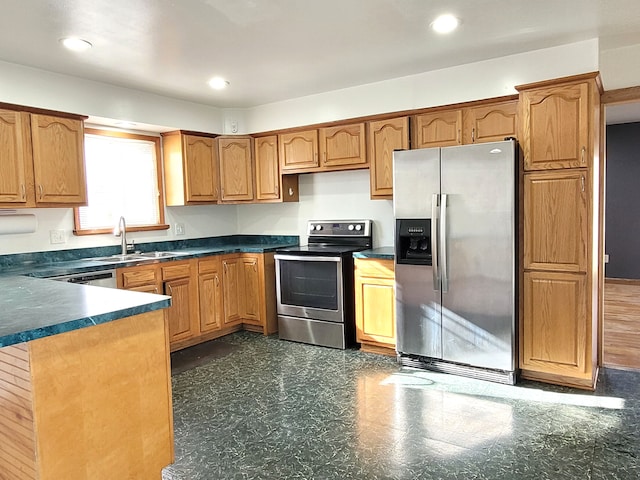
(556, 127)
(200, 169)
(375, 302)
(298, 150)
(267, 169)
(490, 123)
(16, 165)
(343, 146)
(438, 129)
(180, 313)
(58, 160)
(231, 287)
(236, 169)
(555, 333)
(385, 136)
(211, 309)
(250, 289)
(555, 222)
(142, 278)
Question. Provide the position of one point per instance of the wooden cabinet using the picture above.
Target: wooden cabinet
(190, 169)
(561, 260)
(231, 272)
(385, 136)
(271, 186)
(58, 160)
(557, 123)
(42, 160)
(555, 224)
(343, 146)
(16, 164)
(438, 129)
(298, 150)
(180, 283)
(250, 289)
(375, 305)
(142, 278)
(236, 168)
(210, 294)
(488, 122)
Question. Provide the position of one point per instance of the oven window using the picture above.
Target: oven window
(309, 283)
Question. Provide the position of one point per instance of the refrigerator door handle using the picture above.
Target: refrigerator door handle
(435, 201)
(442, 243)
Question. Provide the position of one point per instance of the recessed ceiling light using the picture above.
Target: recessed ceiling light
(445, 24)
(218, 83)
(76, 44)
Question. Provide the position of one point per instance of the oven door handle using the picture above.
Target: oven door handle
(308, 258)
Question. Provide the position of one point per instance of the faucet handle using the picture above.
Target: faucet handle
(131, 247)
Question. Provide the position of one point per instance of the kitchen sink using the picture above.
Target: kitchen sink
(121, 258)
(158, 254)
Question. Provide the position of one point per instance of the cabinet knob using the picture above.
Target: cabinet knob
(582, 153)
(23, 191)
(41, 191)
(473, 135)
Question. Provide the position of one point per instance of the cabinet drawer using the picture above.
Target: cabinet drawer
(377, 268)
(209, 265)
(177, 270)
(138, 277)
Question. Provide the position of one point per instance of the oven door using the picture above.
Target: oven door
(310, 287)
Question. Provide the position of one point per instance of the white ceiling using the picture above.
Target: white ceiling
(272, 50)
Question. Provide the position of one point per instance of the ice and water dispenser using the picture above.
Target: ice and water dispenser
(413, 241)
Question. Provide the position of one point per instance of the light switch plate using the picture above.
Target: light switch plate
(180, 230)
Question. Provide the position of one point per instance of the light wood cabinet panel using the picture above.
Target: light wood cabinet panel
(58, 160)
(16, 165)
(555, 330)
(489, 123)
(556, 124)
(343, 146)
(384, 137)
(231, 277)
(556, 220)
(210, 296)
(190, 169)
(143, 278)
(437, 129)
(375, 303)
(267, 168)
(236, 168)
(179, 313)
(298, 150)
(251, 289)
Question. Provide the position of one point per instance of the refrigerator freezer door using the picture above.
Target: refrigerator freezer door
(478, 308)
(418, 312)
(416, 177)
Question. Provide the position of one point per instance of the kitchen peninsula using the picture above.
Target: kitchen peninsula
(85, 386)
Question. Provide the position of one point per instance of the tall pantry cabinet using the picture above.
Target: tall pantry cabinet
(560, 144)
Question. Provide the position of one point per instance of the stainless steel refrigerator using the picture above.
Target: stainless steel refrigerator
(456, 255)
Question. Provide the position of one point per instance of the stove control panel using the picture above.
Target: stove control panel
(340, 228)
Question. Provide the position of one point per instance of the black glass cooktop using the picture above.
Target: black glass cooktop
(321, 249)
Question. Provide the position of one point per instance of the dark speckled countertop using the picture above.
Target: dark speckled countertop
(385, 253)
(33, 308)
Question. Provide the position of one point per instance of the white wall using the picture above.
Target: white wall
(328, 195)
(620, 67)
(323, 195)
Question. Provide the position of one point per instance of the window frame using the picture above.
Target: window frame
(161, 225)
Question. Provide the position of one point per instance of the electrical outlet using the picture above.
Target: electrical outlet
(57, 236)
(180, 229)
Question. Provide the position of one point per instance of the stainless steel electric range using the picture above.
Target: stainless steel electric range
(314, 283)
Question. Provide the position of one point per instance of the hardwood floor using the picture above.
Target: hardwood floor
(621, 323)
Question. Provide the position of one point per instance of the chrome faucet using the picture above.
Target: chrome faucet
(121, 231)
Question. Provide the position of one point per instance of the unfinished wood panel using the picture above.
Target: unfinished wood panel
(103, 401)
(17, 432)
(621, 323)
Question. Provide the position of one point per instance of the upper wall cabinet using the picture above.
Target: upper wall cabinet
(343, 147)
(236, 168)
(42, 160)
(298, 150)
(385, 136)
(271, 186)
(556, 127)
(475, 124)
(190, 169)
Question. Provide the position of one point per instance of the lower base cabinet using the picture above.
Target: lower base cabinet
(211, 296)
(375, 305)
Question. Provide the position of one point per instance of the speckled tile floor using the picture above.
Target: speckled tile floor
(270, 409)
